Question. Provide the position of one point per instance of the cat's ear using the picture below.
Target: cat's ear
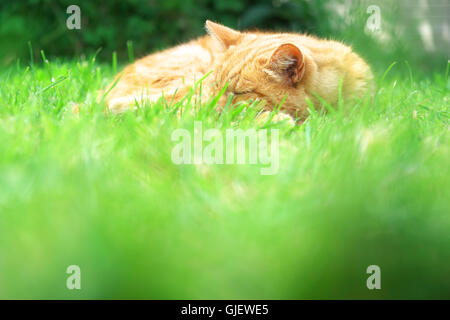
(287, 63)
(226, 36)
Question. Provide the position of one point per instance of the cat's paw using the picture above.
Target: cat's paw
(75, 107)
(264, 117)
(122, 104)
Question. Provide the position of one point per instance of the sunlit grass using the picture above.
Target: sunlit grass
(363, 185)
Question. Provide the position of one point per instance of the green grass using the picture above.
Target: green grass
(363, 185)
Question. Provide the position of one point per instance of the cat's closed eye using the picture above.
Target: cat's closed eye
(241, 92)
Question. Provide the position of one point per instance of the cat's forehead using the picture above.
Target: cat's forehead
(272, 38)
(267, 43)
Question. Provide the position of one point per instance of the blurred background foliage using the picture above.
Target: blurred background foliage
(153, 25)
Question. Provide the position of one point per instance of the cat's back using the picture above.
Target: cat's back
(173, 67)
(195, 54)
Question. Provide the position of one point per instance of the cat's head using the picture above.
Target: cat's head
(285, 66)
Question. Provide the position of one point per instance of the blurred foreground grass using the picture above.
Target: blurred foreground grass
(363, 185)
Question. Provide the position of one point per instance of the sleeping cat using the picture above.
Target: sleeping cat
(256, 65)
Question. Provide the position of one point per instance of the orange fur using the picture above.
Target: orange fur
(257, 65)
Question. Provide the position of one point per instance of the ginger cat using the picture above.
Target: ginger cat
(257, 65)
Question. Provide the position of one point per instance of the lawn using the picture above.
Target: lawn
(361, 185)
